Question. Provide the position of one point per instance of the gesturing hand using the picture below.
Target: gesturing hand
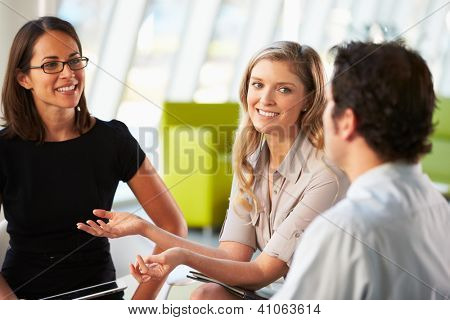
(157, 266)
(120, 224)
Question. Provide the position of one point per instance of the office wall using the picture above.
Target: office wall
(13, 14)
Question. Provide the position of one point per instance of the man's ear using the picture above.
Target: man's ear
(23, 80)
(347, 124)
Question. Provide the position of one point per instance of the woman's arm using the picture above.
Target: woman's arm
(5, 291)
(252, 275)
(122, 224)
(156, 200)
(160, 206)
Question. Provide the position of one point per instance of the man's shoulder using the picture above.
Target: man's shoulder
(375, 210)
(353, 217)
(343, 216)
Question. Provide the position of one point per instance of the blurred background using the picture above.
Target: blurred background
(144, 53)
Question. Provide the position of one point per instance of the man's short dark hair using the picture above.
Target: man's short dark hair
(390, 90)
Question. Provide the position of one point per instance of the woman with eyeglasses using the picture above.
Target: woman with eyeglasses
(58, 163)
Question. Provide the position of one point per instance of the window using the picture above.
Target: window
(216, 74)
(90, 19)
(157, 44)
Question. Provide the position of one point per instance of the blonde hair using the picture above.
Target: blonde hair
(306, 64)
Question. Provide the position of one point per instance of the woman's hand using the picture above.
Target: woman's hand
(120, 224)
(157, 266)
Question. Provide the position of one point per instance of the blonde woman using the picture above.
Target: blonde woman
(281, 180)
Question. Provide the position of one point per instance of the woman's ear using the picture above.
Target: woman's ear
(23, 80)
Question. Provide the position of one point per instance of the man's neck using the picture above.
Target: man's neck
(360, 159)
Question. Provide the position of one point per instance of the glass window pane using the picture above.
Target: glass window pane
(217, 72)
(158, 42)
(90, 19)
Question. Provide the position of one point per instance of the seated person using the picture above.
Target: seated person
(281, 183)
(388, 239)
(58, 163)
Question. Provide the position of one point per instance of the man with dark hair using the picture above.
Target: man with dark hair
(389, 238)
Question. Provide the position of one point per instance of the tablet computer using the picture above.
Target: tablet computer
(92, 292)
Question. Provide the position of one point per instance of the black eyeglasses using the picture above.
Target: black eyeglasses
(58, 66)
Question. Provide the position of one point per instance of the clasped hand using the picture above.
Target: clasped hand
(157, 266)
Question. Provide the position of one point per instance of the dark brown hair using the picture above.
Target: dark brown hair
(390, 90)
(19, 111)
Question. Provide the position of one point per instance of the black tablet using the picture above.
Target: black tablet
(96, 291)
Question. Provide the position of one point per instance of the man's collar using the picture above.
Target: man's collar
(383, 173)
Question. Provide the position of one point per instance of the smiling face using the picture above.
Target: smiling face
(56, 91)
(275, 98)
